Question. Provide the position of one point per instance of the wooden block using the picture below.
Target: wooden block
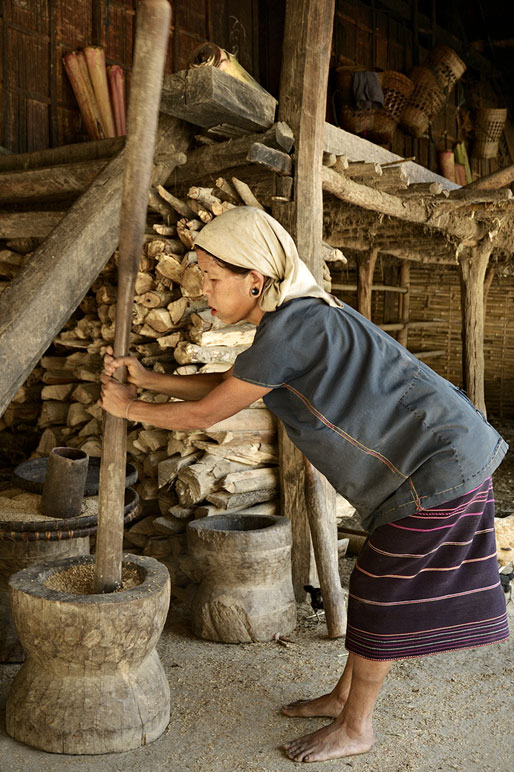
(270, 158)
(206, 96)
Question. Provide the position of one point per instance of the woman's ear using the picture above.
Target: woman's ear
(257, 280)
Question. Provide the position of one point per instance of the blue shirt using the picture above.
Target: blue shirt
(391, 435)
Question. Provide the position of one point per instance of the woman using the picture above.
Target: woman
(403, 445)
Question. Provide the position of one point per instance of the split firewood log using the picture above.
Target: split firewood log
(159, 319)
(186, 236)
(223, 206)
(239, 501)
(52, 412)
(250, 480)
(179, 206)
(149, 440)
(271, 507)
(200, 211)
(246, 194)
(86, 393)
(168, 469)
(77, 415)
(196, 481)
(144, 283)
(169, 266)
(228, 335)
(187, 352)
(61, 391)
(225, 191)
(191, 282)
(204, 196)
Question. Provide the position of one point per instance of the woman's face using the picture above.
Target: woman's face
(230, 294)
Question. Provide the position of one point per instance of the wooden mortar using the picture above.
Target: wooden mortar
(93, 681)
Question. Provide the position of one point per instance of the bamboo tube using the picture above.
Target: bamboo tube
(117, 89)
(152, 29)
(95, 60)
(79, 79)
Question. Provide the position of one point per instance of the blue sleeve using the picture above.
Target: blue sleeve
(264, 362)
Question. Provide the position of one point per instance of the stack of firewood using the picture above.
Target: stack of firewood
(182, 475)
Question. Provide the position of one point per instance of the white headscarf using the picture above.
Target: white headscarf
(250, 238)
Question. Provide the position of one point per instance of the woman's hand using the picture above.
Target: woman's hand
(136, 373)
(115, 396)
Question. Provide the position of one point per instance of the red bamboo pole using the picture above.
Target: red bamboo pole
(117, 89)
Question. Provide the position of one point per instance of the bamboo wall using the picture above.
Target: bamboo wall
(38, 107)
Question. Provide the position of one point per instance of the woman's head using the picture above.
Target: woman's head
(249, 238)
(233, 292)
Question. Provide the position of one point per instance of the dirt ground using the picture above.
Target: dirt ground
(445, 712)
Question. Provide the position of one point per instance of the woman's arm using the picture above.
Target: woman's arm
(226, 399)
(189, 387)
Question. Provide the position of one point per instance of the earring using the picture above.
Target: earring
(254, 291)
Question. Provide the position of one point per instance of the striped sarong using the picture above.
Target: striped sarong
(428, 583)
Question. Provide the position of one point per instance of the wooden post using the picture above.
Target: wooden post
(302, 105)
(322, 538)
(404, 302)
(473, 264)
(37, 304)
(153, 21)
(366, 267)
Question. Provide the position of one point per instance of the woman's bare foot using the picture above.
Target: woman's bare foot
(334, 741)
(326, 705)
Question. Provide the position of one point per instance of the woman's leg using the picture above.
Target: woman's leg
(351, 732)
(330, 704)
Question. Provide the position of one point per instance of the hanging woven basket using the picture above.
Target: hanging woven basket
(424, 102)
(447, 66)
(397, 89)
(489, 126)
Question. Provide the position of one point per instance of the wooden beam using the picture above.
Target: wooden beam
(81, 151)
(493, 181)
(207, 96)
(61, 181)
(38, 302)
(302, 105)
(473, 265)
(438, 216)
(404, 302)
(20, 225)
(366, 267)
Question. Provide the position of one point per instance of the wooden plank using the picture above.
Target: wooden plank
(80, 151)
(274, 160)
(356, 148)
(20, 225)
(37, 303)
(60, 181)
(206, 96)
